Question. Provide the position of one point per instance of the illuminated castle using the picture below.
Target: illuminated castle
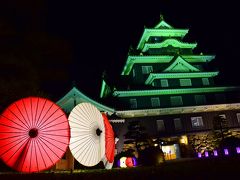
(171, 91)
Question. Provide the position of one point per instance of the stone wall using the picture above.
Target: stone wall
(208, 141)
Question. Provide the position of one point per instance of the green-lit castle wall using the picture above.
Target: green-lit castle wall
(166, 101)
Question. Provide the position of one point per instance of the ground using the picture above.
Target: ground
(215, 168)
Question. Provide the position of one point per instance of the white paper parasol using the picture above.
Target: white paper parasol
(87, 142)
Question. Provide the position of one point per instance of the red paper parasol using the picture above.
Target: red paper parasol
(109, 139)
(34, 134)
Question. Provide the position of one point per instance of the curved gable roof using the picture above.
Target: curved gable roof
(74, 97)
(180, 65)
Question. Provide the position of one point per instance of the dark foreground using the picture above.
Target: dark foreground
(227, 168)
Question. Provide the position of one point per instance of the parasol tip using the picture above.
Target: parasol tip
(98, 131)
(33, 133)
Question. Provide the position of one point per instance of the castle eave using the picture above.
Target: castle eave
(174, 91)
(177, 110)
(168, 42)
(160, 32)
(153, 76)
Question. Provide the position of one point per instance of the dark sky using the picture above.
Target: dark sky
(57, 42)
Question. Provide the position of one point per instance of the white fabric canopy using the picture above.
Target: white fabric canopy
(87, 142)
(106, 163)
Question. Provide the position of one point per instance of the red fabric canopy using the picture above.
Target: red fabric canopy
(129, 162)
(109, 139)
(34, 134)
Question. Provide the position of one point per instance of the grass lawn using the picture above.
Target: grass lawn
(225, 168)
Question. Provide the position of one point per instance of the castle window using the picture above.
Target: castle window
(222, 116)
(176, 100)
(185, 82)
(200, 99)
(155, 102)
(177, 123)
(147, 69)
(220, 98)
(134, 73)
(164, 82)
(197, 122)
(133, 103)
(160, 125)
(205, 81)
(238, 117)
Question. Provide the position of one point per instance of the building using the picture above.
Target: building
(170, 91)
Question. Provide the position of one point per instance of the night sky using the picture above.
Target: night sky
(46, 45)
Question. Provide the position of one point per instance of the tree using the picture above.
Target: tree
(136, 133)
(220, 129)
(33, 62)
(220, 125)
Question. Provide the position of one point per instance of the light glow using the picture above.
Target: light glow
(226, 152)
(129, 162)
(122, 162)
(238, 150)
(199, 155)
(206, 154)
(134, 161)
(184, 140)
(215, 153)
(169, 152)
